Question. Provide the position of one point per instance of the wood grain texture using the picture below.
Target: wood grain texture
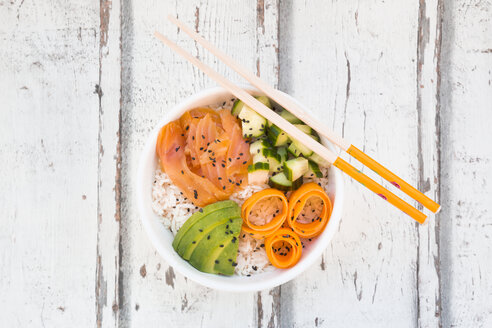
(49, 154)
(358, 76)
(428, 106)
(109, 166)
(154, 79)
(83, 83)
(466, 159)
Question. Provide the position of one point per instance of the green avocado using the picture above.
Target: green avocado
(227, 259)
(198, 216)
(210, 254)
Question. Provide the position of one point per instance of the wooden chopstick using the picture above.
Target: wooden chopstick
(295, 109)
(296, 133)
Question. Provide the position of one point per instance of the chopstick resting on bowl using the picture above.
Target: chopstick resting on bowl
(297, 134)
(295, 109)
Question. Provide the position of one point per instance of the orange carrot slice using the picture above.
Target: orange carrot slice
(262, 231)
(297, 201)
(283, 248)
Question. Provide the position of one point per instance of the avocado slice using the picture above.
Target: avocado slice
(203, 226)
(227, 259)
(207, 253)
(198, 216)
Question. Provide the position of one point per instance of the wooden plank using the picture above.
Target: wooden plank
(49, 154)
(154, 79)
(357, 72)
(466, 158)
(428, 110)
(109, 162)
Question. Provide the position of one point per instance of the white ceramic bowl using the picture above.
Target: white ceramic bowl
(162, 237)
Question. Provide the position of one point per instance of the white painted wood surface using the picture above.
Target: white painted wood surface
(82, 83)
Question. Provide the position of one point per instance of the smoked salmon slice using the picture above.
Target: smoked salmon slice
(204, 154)
(170, 148)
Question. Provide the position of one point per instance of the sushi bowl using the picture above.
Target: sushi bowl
(162, 237)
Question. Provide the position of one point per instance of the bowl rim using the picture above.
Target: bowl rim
(209, 280)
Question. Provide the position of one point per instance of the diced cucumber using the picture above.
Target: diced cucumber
(290, 117)
(304, 128)
(257, 146)
(258, 173)
(297, 149)
(292, 149)
(273, 159)
(237, 107)
(282, 152)
(253, 124)
(313, 171)
(295, 168)
(279, 181)
(319, 160)
(315, 136)
(265, 101)
(260, 158)
(276, 136)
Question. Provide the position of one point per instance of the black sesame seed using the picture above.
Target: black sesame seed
(203, 137)
(193, 242)
(201, 230)
(216, 261)
(245, 162)
(255, 267)
(187, 127)
(200, 210)
(223, 165)
(182, 172)
(208, 237)
(221, 245)
(223, 187)
(177, 148)
(192, 137)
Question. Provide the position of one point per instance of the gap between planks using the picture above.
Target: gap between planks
(428, 294)
(108, 295)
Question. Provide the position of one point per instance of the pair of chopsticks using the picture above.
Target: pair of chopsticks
(290, 129)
